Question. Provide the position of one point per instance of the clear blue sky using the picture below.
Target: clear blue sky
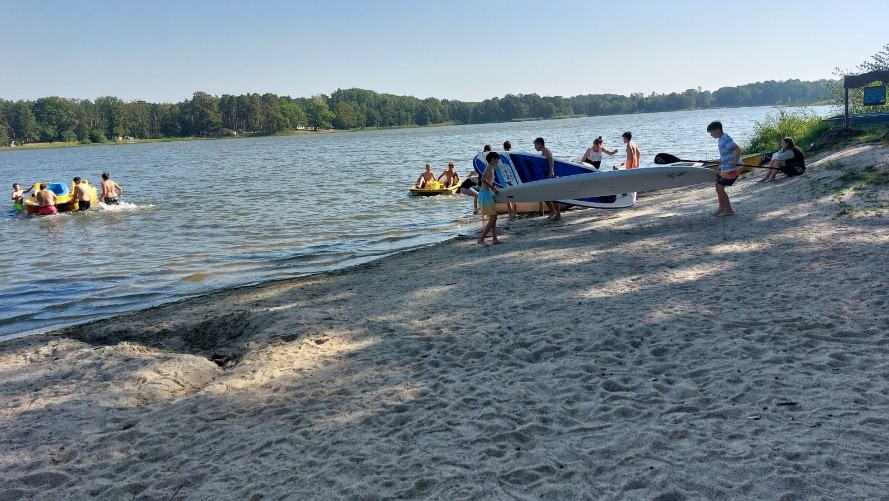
(163, 51)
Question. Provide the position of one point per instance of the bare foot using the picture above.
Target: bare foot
(726, 213)
(557, 218)
(481, 242)
(495, 242)
(718, 213)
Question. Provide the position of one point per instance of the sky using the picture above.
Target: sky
(163, 51)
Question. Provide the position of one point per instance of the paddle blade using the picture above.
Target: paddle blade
(665, 158)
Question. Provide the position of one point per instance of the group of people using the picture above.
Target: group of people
(789, 159)
(110, 194)
(593, 154)
(485, 196)
(450, 175)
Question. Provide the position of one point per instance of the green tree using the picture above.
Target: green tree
(56, 119)
(137, 119)
(348, 116)
(169, 118)
(228, 108)
(204, 116)
(318, 113)
(878, 62)
(293, 111)
(22, 123)
(113, 119)
(250, 112)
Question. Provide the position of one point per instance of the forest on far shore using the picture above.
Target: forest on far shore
(54, 119)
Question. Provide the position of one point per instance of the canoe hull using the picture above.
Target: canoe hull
(517, 168)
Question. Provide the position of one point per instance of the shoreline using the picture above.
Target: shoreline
(652, 351)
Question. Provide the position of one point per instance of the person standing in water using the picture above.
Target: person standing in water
(18, 196)
(46, 201)
(633, 154)
(111, 191)
(593, 154)
(82, 194)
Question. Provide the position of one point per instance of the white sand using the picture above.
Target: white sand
(653, 353)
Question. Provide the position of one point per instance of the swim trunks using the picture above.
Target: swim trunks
(728, 178)
(18, 206)
(48, 210)
(110, 200)
(486, 202)
(83, 205)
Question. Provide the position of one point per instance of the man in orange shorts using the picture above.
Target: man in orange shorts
(729, 168)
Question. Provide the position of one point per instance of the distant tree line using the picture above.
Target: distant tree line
(52, 119)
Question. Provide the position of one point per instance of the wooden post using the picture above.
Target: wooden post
(847, 107)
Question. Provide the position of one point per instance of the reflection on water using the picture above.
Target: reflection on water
(203, 215)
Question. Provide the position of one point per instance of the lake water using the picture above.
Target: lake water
(203, 215)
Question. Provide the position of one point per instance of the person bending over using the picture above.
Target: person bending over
(593, 154)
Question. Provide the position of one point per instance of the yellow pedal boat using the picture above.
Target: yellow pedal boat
(64, 196)
(434, 188)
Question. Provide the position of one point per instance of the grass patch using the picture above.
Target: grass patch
(870, 175)
(803, 126)
(858, 191)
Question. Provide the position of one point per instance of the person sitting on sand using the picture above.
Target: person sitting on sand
(82, 194)
(425, 177)
(789, 160)
(18, 195)
(46, 201)
(111, 191)
(450, 175)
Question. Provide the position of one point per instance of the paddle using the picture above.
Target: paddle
(666, 158)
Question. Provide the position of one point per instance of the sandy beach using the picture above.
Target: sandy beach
(650, 353)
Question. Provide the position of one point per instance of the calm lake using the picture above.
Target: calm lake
(205, 215)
